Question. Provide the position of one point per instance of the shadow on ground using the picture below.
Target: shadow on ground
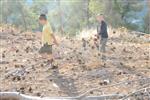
(64, 83)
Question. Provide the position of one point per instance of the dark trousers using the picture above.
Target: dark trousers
(102, 47)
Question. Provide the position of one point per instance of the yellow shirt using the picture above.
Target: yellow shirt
(47, 34)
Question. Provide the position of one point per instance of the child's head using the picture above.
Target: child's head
(42, 19)
(100, 17)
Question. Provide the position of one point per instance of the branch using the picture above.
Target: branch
(123, 82)
(18, 96)
(130, 94)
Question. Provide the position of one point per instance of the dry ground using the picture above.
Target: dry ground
(76, 70)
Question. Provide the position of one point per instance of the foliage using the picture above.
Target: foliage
(71, 16)
(146, 25)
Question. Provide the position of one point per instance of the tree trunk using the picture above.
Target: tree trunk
(24, 21)
(60, 16)
(148, 15)
(23, 16)
(88, 13)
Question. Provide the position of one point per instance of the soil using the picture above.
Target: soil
(77, 66)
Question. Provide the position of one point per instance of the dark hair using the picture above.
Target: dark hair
(42, 17)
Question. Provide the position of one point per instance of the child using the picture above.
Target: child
(48, 39)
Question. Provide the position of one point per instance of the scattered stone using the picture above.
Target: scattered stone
(38, 94)
(30, 90)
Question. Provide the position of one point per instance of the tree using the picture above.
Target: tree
(71, 16)
(14, 12)
(127, 10)
(60, 14)
(146, 25)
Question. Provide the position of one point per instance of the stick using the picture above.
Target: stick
(18, 96)
(135, 92)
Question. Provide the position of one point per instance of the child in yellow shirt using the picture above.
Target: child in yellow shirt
(48, 39)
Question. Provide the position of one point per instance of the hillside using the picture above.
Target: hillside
(76, 69)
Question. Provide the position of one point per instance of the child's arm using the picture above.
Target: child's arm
(55, 41)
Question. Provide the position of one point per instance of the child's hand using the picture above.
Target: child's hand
(55, 41)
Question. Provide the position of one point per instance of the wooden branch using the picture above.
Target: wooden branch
(18, 96)
(130, 94)
(116, 84)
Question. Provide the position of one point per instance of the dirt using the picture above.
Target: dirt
(77, 65)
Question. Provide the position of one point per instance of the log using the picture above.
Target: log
(18, 96)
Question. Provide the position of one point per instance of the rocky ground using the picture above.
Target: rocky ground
(76, 69)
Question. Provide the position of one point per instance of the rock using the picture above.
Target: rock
(27, 49)
(92, 47)
(130, 57)
(91, 92)
(17, 50)
(119, 73)
(16, 78)
(4, 62)
(38, 94)
(30, 90)
(22, 90)
(113, 49)
(54, 67)
(79, 61)
(3, 55)
(105, 82)
(121, 64)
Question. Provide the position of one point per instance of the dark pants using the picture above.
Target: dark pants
(46, 49)
(103, 42)
(102, 47)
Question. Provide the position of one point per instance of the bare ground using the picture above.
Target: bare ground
(76, 70)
